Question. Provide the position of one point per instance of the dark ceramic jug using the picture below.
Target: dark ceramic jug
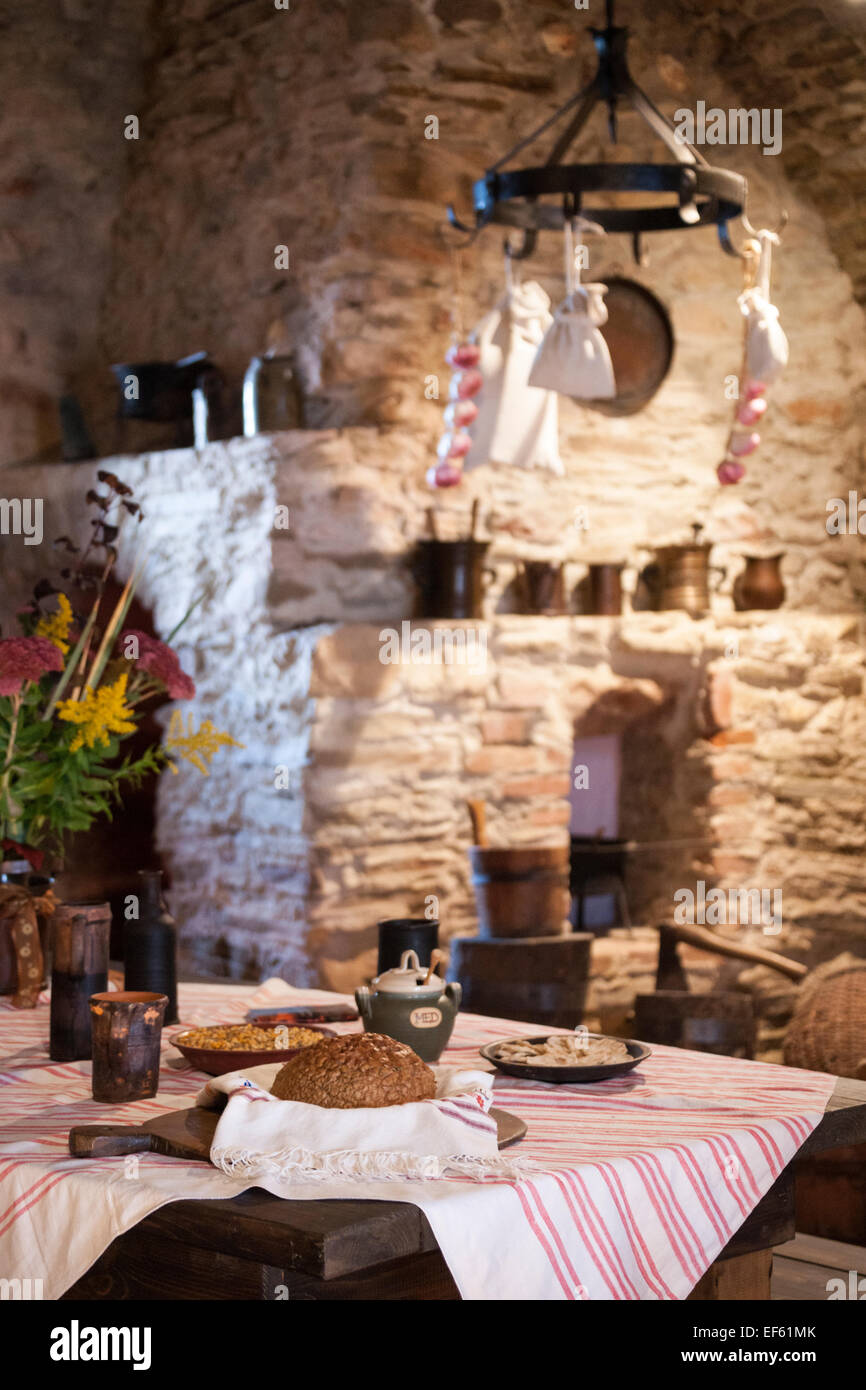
(150, 944)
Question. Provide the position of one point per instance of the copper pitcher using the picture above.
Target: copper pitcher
(760, 584)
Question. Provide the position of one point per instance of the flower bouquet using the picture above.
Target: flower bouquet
(73, 686)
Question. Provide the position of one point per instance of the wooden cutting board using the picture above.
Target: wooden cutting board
(189, 1134)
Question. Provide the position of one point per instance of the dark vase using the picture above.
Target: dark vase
(150, 944)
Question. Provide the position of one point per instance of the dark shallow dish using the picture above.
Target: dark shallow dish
(217, 1061)
(639, 1052)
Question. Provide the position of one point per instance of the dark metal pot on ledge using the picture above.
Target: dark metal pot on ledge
(450, 578)
(540, 588)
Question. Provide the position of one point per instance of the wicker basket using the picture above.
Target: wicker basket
(828, 1029)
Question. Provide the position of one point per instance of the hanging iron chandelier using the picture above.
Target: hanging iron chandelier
(704, 196)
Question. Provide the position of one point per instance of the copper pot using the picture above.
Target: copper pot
(541, 587)
(604, 586)
(450, 578)
(760, 585)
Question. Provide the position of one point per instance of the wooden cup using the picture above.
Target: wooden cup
(127, 1030)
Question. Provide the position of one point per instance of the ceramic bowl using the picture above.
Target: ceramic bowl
(638, 1052)
(217, 1061)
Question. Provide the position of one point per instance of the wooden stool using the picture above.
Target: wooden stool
(539, 979)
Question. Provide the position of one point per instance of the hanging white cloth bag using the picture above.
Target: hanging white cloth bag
(573, 358)
(766, 344)
(516, 423)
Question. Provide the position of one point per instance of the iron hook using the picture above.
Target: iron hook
(774, 231)
(530, 237)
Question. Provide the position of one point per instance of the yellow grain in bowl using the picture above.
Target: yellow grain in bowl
(246, 1037)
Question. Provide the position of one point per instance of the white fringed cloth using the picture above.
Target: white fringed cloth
(261, 1139)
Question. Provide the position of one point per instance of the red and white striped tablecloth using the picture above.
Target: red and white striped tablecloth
(632, 1186)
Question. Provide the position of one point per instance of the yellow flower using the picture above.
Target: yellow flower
(55, 626)
(196, 746)
(100, 713)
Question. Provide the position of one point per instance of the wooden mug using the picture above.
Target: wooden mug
(127, 1031)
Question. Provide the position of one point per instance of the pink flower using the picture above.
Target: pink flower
(26, 659)
(160, 662)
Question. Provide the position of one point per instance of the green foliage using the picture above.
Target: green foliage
(48, 792)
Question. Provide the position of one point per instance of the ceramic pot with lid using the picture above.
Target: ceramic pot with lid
(402, 1005)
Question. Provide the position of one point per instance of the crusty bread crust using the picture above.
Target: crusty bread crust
(359, 1070)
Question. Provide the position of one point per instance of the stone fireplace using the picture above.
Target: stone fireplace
(741, 734)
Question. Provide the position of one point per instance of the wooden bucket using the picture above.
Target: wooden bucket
(520, 892)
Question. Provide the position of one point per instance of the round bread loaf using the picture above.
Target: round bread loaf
(358, 1070)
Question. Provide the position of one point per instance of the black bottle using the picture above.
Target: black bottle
(150, 944)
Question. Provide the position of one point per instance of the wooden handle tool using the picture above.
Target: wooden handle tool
(478, 812)
(110, 1141)
(708, 941)
(179, 1134)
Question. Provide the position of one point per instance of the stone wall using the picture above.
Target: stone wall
(743, 731)
(70, 72)
(234, 845)
(306, 129)
(809, 60)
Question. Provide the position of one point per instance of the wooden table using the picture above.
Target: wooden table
(258, 1246)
